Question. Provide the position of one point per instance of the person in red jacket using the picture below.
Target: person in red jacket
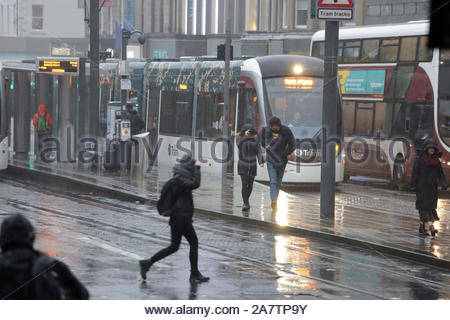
(42, 121)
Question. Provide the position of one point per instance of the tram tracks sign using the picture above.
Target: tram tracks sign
(333, 10)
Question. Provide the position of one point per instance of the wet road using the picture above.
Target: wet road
(102, 239)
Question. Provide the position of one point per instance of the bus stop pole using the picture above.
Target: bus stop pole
(329, 114)
(226, 100)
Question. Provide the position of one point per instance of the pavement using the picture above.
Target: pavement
(371, 222)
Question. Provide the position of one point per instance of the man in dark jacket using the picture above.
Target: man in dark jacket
(279, 143)
(136, 122)
(186, 177)
(27, 274)
(426, 176)
(249, 151)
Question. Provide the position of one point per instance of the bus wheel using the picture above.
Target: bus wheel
(399, 174)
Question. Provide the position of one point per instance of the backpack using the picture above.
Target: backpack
(46, 284)
(42, 124)
(166, 199)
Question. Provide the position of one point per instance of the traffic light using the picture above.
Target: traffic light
(439, 24)
(221, 52)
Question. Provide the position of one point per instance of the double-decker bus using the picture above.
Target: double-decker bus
(395, 94)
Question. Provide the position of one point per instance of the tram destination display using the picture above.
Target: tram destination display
(67, 66)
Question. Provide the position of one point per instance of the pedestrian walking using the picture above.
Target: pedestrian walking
(279, 143)
(426, 176)
(27, 274)
(186, 177)
(249, 152)
(42, 121)
(137, 125)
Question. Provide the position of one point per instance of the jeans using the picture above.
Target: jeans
(180, 228)
(276, 177)
(247, 187)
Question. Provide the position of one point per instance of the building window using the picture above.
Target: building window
(373, 10)
(285, 14)
(252, 9)
(386, 10)
(410, 8)
(37, 22)
(301, 13)
(397, 9)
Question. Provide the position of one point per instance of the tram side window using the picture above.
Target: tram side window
(389, 50)
(176, 113)
(153, 108)
(370, 50)
(408, 49)
(383, 119)
(349, 117)
(209, 115)
(248, 114)
(364, 119)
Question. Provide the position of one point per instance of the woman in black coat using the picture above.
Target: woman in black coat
(249, 151)
(426, 175)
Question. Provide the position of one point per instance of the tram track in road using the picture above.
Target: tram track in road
(164, 239)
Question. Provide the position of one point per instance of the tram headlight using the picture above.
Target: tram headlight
(298, 69)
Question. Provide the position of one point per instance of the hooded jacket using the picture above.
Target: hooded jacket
(186, 177)
(18, 259)
(249, 151)
(42, 112)
(136, 122)
(426, 176)
(278, 147)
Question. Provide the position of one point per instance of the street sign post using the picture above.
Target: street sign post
(334, 10)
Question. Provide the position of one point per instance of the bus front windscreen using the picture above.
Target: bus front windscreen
(297, 101)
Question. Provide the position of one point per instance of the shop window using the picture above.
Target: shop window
(386, 10)
(397, 9)
(410, 8)
(374, 10)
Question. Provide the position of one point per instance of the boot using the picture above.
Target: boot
(246, 206)
(435, 216)
(433, 231)
(144, 266)
(197, 277)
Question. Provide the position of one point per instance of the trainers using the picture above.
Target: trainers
(197, 277)
(422, 229)
(144, 266)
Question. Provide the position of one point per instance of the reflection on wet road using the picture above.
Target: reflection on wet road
(102, 239)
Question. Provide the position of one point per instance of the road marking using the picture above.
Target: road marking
(110, 248)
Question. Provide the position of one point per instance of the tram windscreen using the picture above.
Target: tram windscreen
(297, 101)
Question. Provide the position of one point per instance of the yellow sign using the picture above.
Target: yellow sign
(58, 66)
(298, 83)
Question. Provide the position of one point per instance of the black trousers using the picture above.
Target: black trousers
(247, 187)
(180, 228)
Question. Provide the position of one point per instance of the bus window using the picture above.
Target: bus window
(176, 113)
(425, 53)
(389, 50)
(349, 117)
(364, 119)
(383, 119)
(318, 50)
(423, 123)
(403, 76)
(351, 51)
(408, 49)
(370, 50)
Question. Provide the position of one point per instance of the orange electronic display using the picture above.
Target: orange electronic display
(67, 66)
